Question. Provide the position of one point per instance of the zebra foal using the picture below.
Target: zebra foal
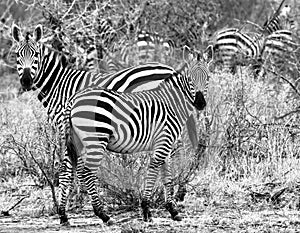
(97, 120)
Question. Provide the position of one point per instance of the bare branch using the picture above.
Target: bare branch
(6, 212)
(47, 178)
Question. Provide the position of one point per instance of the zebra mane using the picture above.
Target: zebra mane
(179, 81)
(28, 36)
(56, 54)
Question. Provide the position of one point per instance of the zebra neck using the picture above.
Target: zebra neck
(179, 92)
(187, 85)
(48, 74)
(56, 83)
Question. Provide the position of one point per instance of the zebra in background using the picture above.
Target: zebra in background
(151, 46)
(97, 119)
(88, 45)
(280, 20)
(280, 52)
(145, 47)
(234, 47)
(41, 68)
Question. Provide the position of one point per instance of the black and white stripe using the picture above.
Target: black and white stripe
(98, 119)
(280, 51)
(146, 47)
(282, 19)
(233, 47)
(42, 69)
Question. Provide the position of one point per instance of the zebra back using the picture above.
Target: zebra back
(233, 47)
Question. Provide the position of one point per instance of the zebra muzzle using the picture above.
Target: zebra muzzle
(26, 80)
(200, 101)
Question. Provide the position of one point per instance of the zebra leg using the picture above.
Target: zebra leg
(156, 162)
(66, 176)
(170, 202)
(150, 181)
(87, 175)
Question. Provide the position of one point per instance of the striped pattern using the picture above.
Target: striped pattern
(280, 51)
(100, 60)
(98, 119)
(92, 44)
(43, 69)
(146, 47)
(282, 19)
(233, 47)
(105, 33)
(151, 46)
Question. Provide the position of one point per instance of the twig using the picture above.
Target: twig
(6, 212)
(288, 114)
(282, 77)
(47, 178)
(244, 22)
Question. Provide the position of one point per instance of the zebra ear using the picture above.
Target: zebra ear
(38, 32)
(187, 53)
(16, 33)
(208, 54)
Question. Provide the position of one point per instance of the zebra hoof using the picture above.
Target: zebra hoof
(64, 221)
(177, 218)
(147, 217)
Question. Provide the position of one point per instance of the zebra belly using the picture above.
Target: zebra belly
(130, 138)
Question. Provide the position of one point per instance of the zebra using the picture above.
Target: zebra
(279, 50)
(41, 68)
(233, 47)
(100, 60)
(89, 46)
(280, 20)
(98, 119)
(150, 44)
(145, 47)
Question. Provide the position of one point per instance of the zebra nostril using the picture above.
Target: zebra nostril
(26, 80)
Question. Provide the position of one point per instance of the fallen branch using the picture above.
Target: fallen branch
(6, 212)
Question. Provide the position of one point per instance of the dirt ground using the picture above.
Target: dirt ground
(213, 218)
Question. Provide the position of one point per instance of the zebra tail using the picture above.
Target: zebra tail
(72, 153)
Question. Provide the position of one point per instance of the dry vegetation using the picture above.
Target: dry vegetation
(248, 179)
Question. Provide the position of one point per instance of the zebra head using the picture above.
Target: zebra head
(28, 54)
(196, 68)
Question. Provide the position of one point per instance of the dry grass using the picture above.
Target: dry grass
(250, 169)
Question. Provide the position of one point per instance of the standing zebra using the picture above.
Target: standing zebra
(233, 47)
(97, 120)
(42, 69)
(280, 51)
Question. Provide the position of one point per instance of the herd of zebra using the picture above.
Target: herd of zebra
(276, 43)
(141, 108)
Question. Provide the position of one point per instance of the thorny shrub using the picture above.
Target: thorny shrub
(252, 132)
